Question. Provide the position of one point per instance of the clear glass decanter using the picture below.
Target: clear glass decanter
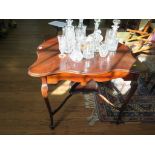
(111, 39)
(97, 35)
(69, 36)
(76, 54)
(93, 41)
(80, 32)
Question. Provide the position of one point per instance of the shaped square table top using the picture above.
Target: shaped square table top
(118, 65)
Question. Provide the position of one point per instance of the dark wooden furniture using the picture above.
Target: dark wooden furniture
(51, 69)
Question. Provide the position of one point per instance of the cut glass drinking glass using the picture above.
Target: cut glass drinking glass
(62, 45)
(76, 54)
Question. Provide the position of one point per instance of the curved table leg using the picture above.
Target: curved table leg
(61, 105)
(51, 114)
(126, 101)
(44, 91)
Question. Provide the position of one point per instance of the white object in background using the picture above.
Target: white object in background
(57, 23)
(121, 85)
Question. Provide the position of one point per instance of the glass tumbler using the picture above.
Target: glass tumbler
(62, 45)
(113, 46)
(103, 50)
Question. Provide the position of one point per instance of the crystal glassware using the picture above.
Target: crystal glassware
(76, 54)
(116, 23)
(62, 45)
(109, 36)
(80, 32)
(97, 39)
(88, 52)
(113, 46)
(69, 36)
(103, 50)
(97, 35)
(97, 23)
(111, 39)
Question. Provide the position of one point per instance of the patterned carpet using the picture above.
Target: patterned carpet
(141, 107)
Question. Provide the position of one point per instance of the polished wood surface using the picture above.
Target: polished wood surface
(99, 69)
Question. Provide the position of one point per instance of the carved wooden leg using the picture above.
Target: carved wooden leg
(104, 95)
(52, 126)
(130, 94)
(44, 91)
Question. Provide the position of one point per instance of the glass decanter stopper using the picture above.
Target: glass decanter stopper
(115, 27)
(69, 22)
(80, 23)
(116, 23)
(97, 24)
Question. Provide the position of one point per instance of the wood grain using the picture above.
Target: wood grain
(48, 62)
(99, 69)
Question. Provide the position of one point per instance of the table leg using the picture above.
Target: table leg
(130, 94)
(104, 94)
(107, 97)
(51, 114)
(44, 91)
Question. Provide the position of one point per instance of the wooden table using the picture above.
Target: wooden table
(51, 69)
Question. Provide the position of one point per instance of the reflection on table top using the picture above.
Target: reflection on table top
(49, 62)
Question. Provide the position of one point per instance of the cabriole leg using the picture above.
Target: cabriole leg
(44, 92)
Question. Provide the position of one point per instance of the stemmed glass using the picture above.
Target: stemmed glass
(62, 45)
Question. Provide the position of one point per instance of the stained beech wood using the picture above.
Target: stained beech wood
(49, 64)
